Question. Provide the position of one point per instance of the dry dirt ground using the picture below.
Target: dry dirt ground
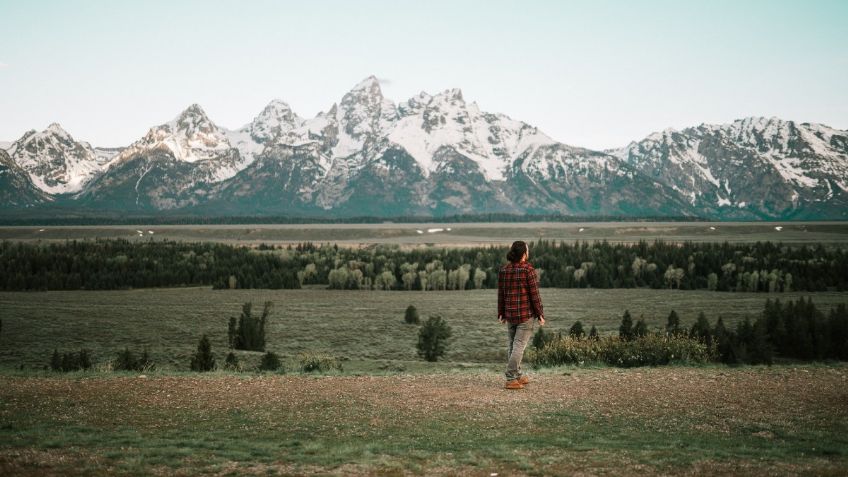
(780, 420)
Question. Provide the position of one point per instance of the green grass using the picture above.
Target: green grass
(364, 329)
(657, 420)
(461, 234)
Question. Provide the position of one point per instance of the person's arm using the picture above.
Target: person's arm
(535, 299)
(501, 304)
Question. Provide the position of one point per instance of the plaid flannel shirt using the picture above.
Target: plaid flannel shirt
(518, 293)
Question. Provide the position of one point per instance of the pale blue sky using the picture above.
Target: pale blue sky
(589, 73)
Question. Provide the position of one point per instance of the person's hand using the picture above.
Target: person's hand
(541, 321)
(501, 319)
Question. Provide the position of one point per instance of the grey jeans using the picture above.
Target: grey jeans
(519, 336)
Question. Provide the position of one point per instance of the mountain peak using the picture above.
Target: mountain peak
(55, 127)
(277, 104)
(452, 95)
(368, 83)
(276, 118)
(193, 111)
(367, 88)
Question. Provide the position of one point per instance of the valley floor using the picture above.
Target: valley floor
(447, 234)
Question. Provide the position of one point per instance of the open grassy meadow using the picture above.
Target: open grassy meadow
(449, 234)
(363, 328)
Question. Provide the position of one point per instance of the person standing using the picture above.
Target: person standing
(518, 303)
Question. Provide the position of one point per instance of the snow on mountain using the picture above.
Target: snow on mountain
(5, 145)
(16, 187)
(492, 141)
(190, 137)
(55, 162)
(193, 138)
(440, 154)
(767, 160)
(277, 121)
(801, 153)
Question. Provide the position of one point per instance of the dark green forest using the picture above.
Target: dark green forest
(121, 264)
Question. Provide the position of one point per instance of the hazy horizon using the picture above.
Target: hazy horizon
(592, 75)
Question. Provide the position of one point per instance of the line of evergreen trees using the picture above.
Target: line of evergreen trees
(796, 330)
(120, 264)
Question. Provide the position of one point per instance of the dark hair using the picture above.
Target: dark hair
(517, 251)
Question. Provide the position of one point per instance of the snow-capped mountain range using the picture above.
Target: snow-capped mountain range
(431, 155)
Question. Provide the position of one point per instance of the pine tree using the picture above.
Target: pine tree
(640, 329)
(203, 359)
(231, 362)
(231, 332)
(838, 326)
(759, 349)
(593, 333)
(625, 331)
(541, 338)
(411, 316)
(250, 333)
(576, 330)
(432, 338)
(724, 342)
(56, 361)
(145, 362)
(70, 362)
(672, 326)
(84, 360)
(701, 330)
(125, 361)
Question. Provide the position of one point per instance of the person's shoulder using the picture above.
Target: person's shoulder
(527, 265)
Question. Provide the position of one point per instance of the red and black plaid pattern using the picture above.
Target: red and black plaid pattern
(518, 293)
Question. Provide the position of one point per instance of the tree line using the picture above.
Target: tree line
(796, 330)
(120, 264)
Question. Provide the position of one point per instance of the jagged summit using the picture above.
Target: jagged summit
(55, 161)
(759, 165)
(368, 83)
(440, 154)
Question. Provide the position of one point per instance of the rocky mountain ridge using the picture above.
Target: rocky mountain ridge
(437, 155)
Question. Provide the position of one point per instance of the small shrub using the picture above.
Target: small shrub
(145, 362)
(56, 360)
(432, 338)
(593, 333)
(640, 329)
(576, 330)
(541, 338)
(203, 359)
(270, 362)
(231, 362)
(701, 330)
(411, 316)
(318, 362)
(672, 325)
(625, 331)
(649, 350)
(125, 361)
(66, 362)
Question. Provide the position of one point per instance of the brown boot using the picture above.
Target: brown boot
(514, 384)
(523, 380)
